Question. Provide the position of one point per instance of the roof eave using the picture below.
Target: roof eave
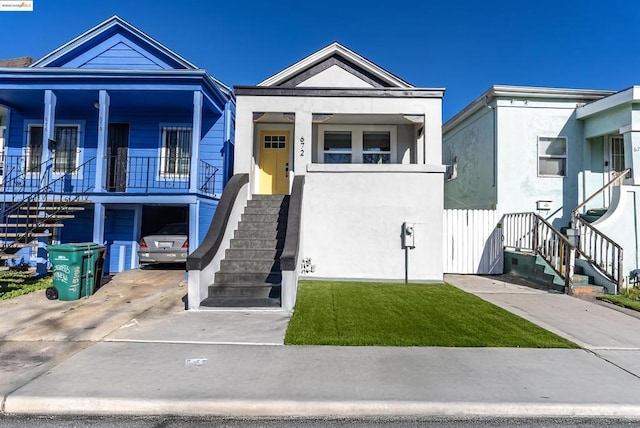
(326, 52)
(101, 28)
(339, 92)
(497, 91)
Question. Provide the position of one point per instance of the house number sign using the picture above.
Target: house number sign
(301, 146)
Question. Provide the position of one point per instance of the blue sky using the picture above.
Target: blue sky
(463, 46)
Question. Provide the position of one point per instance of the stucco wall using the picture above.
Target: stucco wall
(353, 220)
(472, 144)
(304, 107)
(520, 124)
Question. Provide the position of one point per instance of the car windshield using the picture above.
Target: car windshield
(174, 229)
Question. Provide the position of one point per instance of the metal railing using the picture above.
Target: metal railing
(530, 232)
(152, 173)
(26, 219)
(207, 178)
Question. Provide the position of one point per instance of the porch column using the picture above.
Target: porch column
(48, 133)
(98, 223)
(103, 134)
(302, 142)
(196, 131)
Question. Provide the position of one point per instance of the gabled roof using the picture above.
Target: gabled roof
(335, 55)
(101, 33)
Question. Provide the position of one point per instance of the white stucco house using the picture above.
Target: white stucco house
(365, 147)
(548, 151)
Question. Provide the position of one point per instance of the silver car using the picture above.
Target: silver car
(169, 245)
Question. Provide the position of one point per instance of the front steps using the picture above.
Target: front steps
(535, 269)
(24, 224)
(250, 274)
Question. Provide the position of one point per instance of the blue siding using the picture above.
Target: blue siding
(118, 232)
(211, 149)
(116, 52)
(205, 216)
(78, 229)
(121, 56)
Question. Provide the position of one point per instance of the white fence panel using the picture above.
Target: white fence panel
(472, 242)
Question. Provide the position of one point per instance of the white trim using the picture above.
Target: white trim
(326, 52)
(80, 124)
(544, 156)
(357, 132)
(162, 157)
(101, 28)
(612, 101)
(369, 168)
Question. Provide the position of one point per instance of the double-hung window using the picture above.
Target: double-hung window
(376, 147)
(337, 147)
(66, 150)
(552, 156)
(176, 151)
(371, 144)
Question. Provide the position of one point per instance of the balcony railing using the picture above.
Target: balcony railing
(21, 175)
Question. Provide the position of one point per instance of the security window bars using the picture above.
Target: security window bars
(552, 156)
(176, 151)
(66, 150)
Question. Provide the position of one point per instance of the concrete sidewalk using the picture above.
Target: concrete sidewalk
(163, 360)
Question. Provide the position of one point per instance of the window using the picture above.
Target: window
(552, 156)
(66, 153)
(176, 151)
(337, 147)
(370, 144)
(376, 147)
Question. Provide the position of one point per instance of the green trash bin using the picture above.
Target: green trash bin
(77, 270)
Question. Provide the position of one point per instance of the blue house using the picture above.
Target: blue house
(106, 139)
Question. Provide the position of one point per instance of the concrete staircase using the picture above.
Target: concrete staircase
(250, 274)
(593, 214)
(535, 269)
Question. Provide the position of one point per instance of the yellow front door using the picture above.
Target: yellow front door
(274, 162)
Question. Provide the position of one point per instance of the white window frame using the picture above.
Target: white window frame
(357, 132)
(79, 145)
(540, 156)
(163, 156)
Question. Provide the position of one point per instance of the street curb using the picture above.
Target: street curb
(286, 408)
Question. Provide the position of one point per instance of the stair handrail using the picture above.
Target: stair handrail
(25, 171)
(613, 182)
(536, 234)
(601, 251)
(35, 199)
(289, 257)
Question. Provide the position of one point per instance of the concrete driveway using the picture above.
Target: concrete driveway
(36, 334)
(142, 305)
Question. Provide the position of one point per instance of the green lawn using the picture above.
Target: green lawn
(392, 314)
(16, 283)
(621, 300)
